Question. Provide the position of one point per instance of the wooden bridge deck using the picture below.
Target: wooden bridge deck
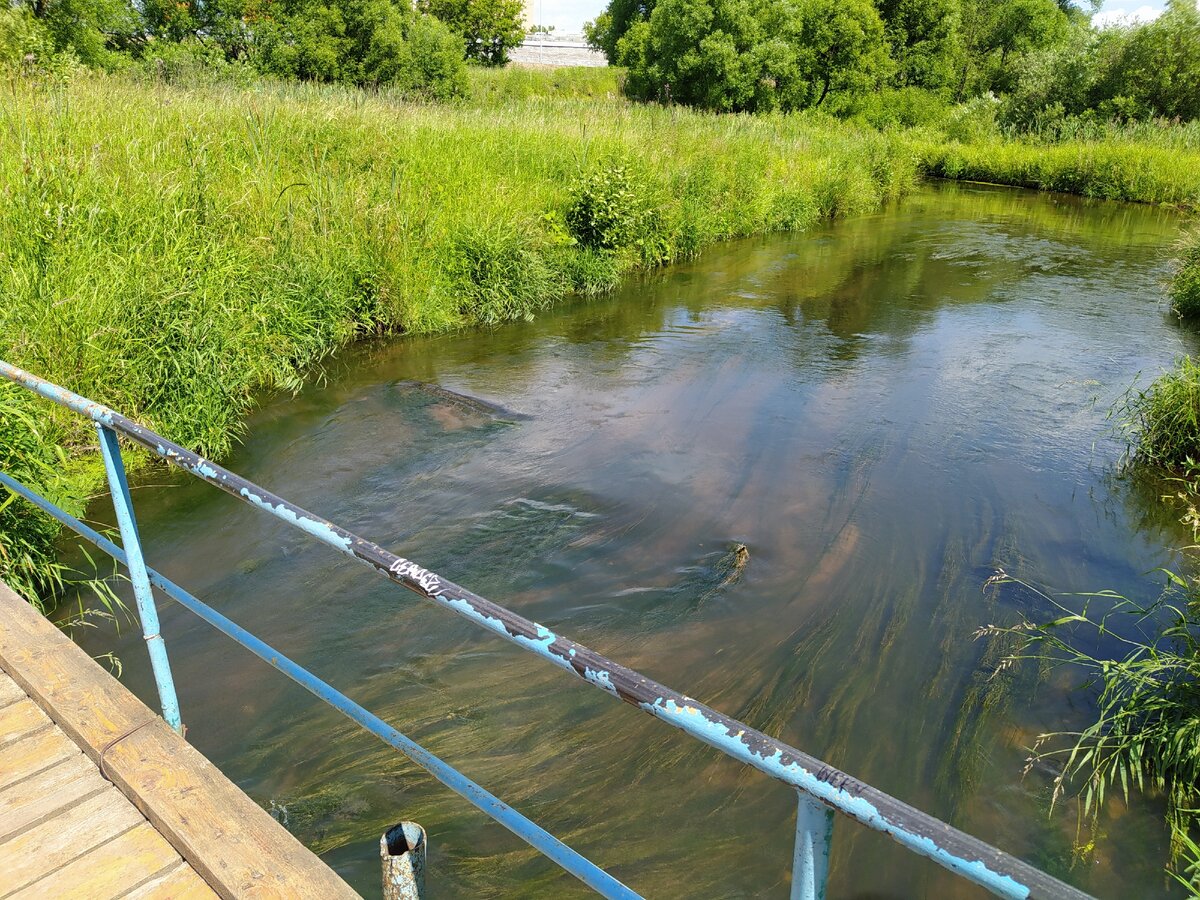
(99, 798)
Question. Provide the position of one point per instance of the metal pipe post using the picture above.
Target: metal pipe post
(402, 850)
(114, 466)
(810, 867)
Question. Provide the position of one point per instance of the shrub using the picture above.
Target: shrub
(734, 56)
(22, 38)
(973, 121)
(612, 210)
(363, 42)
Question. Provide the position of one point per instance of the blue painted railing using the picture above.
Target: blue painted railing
(821, 789)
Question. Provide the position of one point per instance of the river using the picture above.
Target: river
(883, 410)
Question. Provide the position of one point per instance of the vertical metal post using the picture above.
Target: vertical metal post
(810, 867)
(402, 850)
(147, 612)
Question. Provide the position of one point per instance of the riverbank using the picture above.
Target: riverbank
(175, 251)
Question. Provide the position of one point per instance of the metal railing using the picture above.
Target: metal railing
(821, 789)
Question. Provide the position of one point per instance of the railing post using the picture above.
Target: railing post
(114, 466)
(810, 867)
(402, 849)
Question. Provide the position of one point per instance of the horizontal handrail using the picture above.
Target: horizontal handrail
(586, 871)
(973, 859)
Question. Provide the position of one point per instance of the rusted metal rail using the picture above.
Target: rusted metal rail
(821, 788)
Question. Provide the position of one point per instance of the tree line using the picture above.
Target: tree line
(1044, 57)
(420, 48)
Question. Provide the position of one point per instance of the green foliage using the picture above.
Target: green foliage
(1163, 421)
(497, 276)
(91, 30)
(22, 39)
(1159, 66)
(1146, 736)
(611, 25)
(490, 28)
(1184, 288)
(735, 56)
(995, 35)
(923, 37)
(360, 42)
(1112, 166)
(611, 209)
(495, 85)
(27, 561)
(1139, 72)
(973, 122)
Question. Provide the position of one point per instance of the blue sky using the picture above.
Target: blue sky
(1117, 10)
(568, 16)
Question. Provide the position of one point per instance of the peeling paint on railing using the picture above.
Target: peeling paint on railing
(957, 851)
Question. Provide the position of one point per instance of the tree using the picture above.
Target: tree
(737, 55)
(490, 28)
(1160, 66)
(614, 23)
(996, 33)
(91, 29)
(924, 37)
(842, 45)
(362, 42)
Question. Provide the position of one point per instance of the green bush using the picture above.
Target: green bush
(22, 39)
(892, 108)
(973, 121)
(733, 56)
(488, 28)
(1184, 288)
(361, 42)
(611, 209)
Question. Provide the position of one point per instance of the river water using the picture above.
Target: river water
(883, 411)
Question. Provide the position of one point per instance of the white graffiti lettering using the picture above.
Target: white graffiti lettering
(406, 568)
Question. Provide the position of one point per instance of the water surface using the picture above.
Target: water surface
(884, 411)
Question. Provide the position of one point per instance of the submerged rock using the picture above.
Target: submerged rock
(461, 402)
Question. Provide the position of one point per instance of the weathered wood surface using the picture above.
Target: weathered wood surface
(99, 798)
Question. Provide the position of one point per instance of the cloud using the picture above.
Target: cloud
(567, 16)
(1125, 14)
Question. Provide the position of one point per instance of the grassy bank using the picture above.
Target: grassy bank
(174, 251)
(1111, 169)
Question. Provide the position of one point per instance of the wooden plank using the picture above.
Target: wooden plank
(181, 883)
(108, 871)
(10, 692)
(63, 838)
(19, 719)
(232, 842)
(34, 753)
(28, 802)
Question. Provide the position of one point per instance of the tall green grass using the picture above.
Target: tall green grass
(1184, 288)
(1110, 169)
(173, 252)
(1163, 421)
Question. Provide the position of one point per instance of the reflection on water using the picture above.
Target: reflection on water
(882, 412)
